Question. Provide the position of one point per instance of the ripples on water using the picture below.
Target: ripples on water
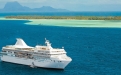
(95, 51)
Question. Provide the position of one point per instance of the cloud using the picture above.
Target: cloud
(91, 2)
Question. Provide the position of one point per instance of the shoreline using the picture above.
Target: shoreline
(72, 23)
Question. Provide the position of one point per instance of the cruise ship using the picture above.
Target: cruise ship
(38, 56)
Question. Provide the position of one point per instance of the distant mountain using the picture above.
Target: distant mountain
(16, 7)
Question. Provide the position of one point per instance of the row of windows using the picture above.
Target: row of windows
(55, 61)
(52, 60)
(7, 51)
(48, 54)
(57, 51)
(39, 53)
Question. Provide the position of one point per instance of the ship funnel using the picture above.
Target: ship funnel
(20, 42)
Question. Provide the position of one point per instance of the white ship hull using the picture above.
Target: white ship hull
(38, 56)
(46, 63)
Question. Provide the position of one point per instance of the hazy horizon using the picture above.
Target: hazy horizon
(72, 5)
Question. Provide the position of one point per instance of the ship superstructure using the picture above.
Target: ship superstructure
(38, 56)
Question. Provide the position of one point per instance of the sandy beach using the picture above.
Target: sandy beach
(72, 23)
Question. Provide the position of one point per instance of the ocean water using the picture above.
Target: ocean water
(63, 13)
(95, 51)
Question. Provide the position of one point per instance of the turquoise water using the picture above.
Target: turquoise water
(76, 23)
(95, 51)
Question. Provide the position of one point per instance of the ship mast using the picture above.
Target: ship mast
(48, 44)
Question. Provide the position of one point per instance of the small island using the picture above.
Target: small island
(69, 21)
(66, 17)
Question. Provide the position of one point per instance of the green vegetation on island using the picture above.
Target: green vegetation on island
(67, 17)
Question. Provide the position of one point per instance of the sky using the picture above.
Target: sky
(73, 5)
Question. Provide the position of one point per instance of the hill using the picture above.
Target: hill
(17, 7)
